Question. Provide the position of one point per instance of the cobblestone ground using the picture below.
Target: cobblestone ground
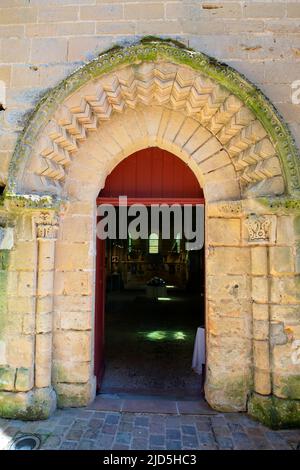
(88, 429)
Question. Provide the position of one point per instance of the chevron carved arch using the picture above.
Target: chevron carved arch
(211, 110)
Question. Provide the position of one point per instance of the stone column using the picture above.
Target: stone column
(46, 229)
(260, 236)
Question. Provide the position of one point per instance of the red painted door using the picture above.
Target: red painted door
(99, 311)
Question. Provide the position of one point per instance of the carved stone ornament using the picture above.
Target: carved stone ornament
(46, 225)
(258, 228)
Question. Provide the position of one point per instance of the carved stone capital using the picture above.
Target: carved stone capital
(259, 228)
(46, 225)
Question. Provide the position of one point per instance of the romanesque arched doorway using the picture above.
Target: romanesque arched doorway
(145, 354)
(153, 94)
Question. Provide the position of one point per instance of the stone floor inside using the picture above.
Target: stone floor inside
(149, 344)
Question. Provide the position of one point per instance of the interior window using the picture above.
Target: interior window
(153, 243)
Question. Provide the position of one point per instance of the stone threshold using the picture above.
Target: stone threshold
(150, 404)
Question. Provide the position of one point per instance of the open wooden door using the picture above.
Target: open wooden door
(99, 311)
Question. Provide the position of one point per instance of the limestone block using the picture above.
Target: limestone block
(34, 405)
(228, 260)
(260, 312)
(73, 283)
(45, 283)
(285, 313)
(44, 322)
(71, 372)
(223, 231)
(283, 360)
(74, 395)
(26, 283)
(68, 303)
(281, 260)
(261, 354)
(232, 288)
(222, 190)
(23, 256)
(18, 304)
(45, 305)
(285, 290)
(28, 323)
(228, 352)
(261, 329)
(72, 256)
(285, 231)
(77, 229)
(262, 381)
(260, 292)
(259, 261)
(197, 139)
(286, 385)
(24, 379)
(7, 378)
(228, 308)
(72, 344)
(209, 148)
(46, 254)
(227, 326)
(20, 351)
(43, 360)
(76, 320)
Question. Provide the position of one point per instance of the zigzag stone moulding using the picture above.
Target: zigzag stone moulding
(230, 108)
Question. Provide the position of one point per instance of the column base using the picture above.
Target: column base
(276, 413)
(36, 404)
(75, 395)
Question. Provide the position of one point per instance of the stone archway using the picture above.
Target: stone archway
(156, 94)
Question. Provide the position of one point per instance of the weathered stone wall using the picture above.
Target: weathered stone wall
(44, 41)
(47, 275)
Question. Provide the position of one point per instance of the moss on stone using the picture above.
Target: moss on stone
(291, 387)
(7, 378)
(34, 405)
(275, 412)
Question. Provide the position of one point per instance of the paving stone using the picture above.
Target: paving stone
(276, 440)
(112, 419)
(206, 439)
(141, 421)
(109, 428)
(241, 441)
(52, 442)
(69, 445)
(190, 442)
(203, 424)
(156, 440)
(224, 443)
(123, 437)
(173, 444)
(190, 430)
(74, 434)
(86, 444)
(222, 431)
(155, 428)
(173, 434)
(140, 432)
(104, 441)
(120, 447)
(78, 429)
(139, 443)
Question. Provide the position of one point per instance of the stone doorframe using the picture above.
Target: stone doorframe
(155, 93)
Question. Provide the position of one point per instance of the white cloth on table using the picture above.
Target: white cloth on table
(199, 351)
